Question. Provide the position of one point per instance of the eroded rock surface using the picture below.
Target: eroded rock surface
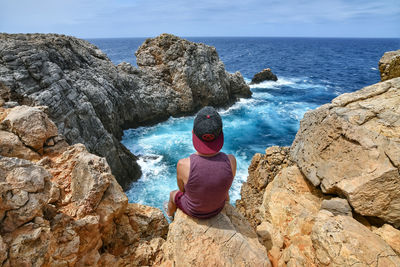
(63, 207)
(351, 147)
(264, 75)
(91, 100)
(389, 65)
(224, 240)
(342, 241)
(262, 170)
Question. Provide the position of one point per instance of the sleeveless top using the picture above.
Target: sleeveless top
(209, 181)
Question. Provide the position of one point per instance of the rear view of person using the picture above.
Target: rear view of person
(204, 178)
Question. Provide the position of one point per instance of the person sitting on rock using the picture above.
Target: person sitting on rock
(204, 178)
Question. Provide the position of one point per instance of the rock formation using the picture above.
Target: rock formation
(264, 75)
(224, 240)
(61, 206)
(92, 101)
(334, 201)
(351, 147)
(262, 170)
(389, 65)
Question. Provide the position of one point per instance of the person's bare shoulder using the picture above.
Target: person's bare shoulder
(183, 163)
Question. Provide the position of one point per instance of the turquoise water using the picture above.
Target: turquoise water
(311, 72)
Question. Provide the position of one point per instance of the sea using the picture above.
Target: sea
(311, 72)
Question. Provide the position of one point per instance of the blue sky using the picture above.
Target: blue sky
(143, 18)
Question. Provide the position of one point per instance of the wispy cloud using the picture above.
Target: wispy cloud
(103, 18)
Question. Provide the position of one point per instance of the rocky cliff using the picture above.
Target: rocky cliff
(61, 206)
(92, 101)
(332, 198)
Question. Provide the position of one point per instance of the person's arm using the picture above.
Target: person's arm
(232, 159)
(182, 173)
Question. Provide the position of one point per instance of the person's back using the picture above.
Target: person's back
(208, 184)
(205, 177)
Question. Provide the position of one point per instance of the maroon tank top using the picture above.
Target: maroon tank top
(209, 181)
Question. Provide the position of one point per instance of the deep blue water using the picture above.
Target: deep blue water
(311, 72)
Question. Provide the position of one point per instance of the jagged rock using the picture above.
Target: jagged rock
(264, 75)
(3, 251)
(11, 146)
(23, 192)
(290, 204)
(138, 222)
(88, 96)
(224, 240)
(391, 236)
(262, 171)
(389, 65)
(31, 125)
(67, 209)
(342, 241)
(193, 70)
(351, 147)
(337, 206)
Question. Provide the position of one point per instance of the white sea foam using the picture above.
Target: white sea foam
(374, 68)
(275, 84)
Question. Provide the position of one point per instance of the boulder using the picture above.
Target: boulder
(262, 170)
(337, 206)
(11, 146)
(88, 96)
(342, 241)
(224, 240)
(389, 65)
(31, 125)
(351, 147)
(23, 192)
(288, 212)
(391, 236)
(264, 75)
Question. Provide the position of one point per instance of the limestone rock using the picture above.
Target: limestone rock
(337, 206)
(342, 241)
(31, 125)
(351, 147)
(3, 251)
(193, 70)
(11, 146)
(262, 170)
(23, 192)
(391, 236)
(290, 205)
(389, 65)
(88, 96)
(224, 240)
(264, 75)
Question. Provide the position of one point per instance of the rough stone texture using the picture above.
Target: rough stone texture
(390, 235)
(31, 125)
(11, 146)
(351, 147)
(342, 241)
(337, 206)
(192, 70)
(224, 240)
(389, 65)
(262, 171)
(288, 212)
(67, 209)
(264, 75)
(88, 96)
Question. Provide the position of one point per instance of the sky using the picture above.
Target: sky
(146, 18)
